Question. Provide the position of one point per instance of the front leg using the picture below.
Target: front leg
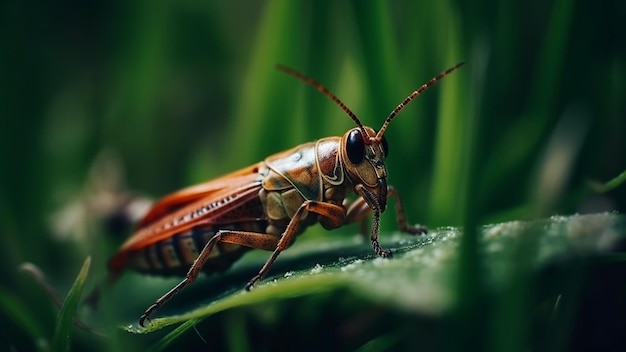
(359, 210)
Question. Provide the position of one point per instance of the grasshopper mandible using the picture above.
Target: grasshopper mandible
(207, 227)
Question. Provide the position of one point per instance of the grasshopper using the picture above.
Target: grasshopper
(207, 227)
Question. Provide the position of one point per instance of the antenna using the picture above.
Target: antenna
(310, 81)
(412, 96)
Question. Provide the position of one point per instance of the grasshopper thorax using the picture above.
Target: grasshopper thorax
(363, 154)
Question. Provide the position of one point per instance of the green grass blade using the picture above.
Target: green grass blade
(65, 319)
(168, 339)
(380, 343)
(614, 183)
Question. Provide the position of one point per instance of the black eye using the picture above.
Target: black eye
(385, 146)
(355, 147)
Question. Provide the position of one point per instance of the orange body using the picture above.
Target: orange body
(261, 198)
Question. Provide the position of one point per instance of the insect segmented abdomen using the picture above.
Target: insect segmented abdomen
(175, 255)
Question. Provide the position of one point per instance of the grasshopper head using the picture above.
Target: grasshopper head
(364, 154)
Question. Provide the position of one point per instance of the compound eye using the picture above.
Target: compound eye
(355, 147)
(385, 146)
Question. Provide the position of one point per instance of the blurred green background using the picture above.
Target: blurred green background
(101, 99)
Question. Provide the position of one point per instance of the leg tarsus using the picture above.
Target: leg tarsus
(361, 208)
(166, 297)
(266, 267)
(385, 253)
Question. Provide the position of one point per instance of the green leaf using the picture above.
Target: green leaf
(65, 319)
(420, 276)
(173, 335)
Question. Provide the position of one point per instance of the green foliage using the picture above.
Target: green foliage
(417, 279)
(107, 100)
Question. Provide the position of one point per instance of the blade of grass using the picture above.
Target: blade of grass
(470, 278)
(65, 319)
(610, 185)
(261, 108)
(456, 135)
(167, 340)
(381, 343)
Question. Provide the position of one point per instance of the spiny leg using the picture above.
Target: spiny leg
(359, 210)
(333, 214)
(370, 200)
(242, 238)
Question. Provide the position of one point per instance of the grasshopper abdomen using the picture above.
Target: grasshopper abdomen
(175, 255)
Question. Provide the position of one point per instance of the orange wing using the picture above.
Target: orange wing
(177, 200)
(195, 205)
(211, 204)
